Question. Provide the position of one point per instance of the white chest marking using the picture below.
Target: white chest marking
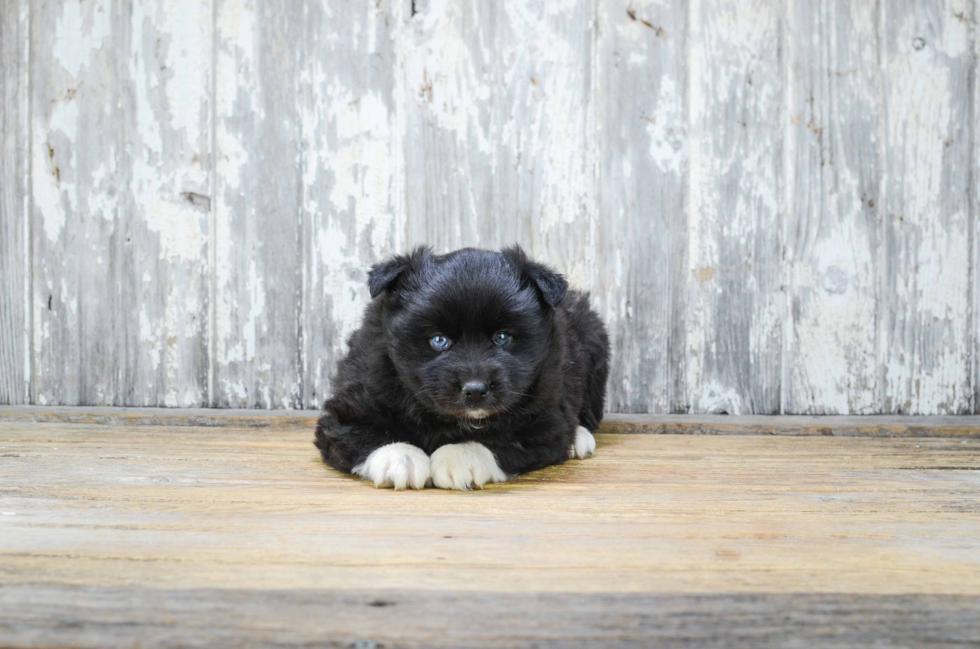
(465, 466)
(397, 465)
(584, 444)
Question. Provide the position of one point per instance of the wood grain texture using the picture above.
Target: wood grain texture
(771, 203)
(15, 256)
(735, 315)
(166, 204)
(120, 154)
(240, 536)
(925, 329)
(100, 617)
(258, 215)
(834, 205)
(79, 238)
(352, 164)
(185, 507)
(631, 424)
(974, 227)
(499, 129)
(641, 134)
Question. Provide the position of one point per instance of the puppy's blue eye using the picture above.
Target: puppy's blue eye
(439, 342)
(501, 338)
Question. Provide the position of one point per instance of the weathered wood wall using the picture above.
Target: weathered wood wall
(774, 204)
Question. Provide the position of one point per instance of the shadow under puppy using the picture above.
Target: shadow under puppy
(470, 367)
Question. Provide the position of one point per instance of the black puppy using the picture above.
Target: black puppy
(483, 360)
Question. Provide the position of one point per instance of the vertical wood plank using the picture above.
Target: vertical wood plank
(834, 205)
(641, 134)
(352, 149)
(258, 219)
(736, 304)
(78, 165)
(119, 189)
(166, 203)
(451, 112)
(15, 262)
(499, 138)
(925, 331)
(975, 213)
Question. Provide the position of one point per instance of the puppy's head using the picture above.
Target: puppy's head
(468, 331)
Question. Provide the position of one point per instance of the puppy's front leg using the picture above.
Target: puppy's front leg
(398, 465)
(465, 466)
(367, 451)
(583, 446)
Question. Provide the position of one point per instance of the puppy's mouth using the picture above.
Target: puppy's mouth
(471, 417)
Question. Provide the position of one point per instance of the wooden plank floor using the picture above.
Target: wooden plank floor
(183, 535)
(795, 425)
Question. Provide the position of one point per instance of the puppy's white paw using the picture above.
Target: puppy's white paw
(464, 466)
(396, 465)
(584, 444)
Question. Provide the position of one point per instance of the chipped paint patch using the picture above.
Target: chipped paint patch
(80, 29)
(180, 226)
(665, 126)
(717, 399)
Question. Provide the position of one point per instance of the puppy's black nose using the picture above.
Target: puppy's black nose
(474, 391)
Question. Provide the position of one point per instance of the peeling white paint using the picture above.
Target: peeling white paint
(924, 331)
(54, 196)
(443, 75)
(180, 226)
(256, 312)
(150, 339)
(734, 199)
(467, 125)
(717, 399)
(665, 127)
(80, 29)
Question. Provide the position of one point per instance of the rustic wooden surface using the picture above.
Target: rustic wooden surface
(353, 183)
(622, 424)
(735, 259)
(640, 268)
(115, 533)
(120, 179)
(773, 204)
(834, 200)
(258, 229)
(359, 619)
(15, 256)
(926, 329)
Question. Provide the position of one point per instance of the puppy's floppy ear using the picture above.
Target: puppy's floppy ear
(386, 275)
(383, 276)
(551, 285)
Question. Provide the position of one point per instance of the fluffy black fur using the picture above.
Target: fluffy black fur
(394, 387)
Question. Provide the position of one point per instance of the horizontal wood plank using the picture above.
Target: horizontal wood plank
(623, 424)
(97, 617)
(179, 507)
